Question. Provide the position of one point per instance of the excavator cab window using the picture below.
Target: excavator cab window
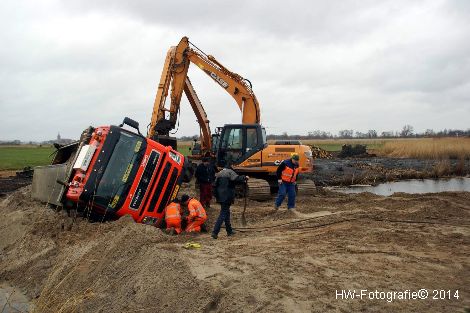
(232, 144)
(239, 142)
(251, 138)
(264, 137)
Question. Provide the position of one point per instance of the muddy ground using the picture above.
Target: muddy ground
(280, 262)
(9, 182)
(375, 170)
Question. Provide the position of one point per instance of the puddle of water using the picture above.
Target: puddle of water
(412, 186)
(13, 300)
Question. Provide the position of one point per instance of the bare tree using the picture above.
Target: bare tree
(361, 135)
(407, 131)
(387, 134)
(372, 133)
(429, 132)
(346, 133)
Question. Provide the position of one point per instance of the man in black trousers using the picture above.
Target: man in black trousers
(225, 181)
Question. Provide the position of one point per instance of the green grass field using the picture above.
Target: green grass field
(15, 158)
(184, 149)
(18, 157)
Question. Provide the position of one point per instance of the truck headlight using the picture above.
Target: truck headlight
(149, 220)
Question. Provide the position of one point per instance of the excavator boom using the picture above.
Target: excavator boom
(175, 72)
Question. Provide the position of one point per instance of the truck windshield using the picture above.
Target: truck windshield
(120, 171)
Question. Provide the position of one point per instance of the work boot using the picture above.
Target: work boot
(203, 228)
(173, 231)
(292, 211)
(214, 236)
(231, 233)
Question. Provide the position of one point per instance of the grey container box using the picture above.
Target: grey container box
(45, 187)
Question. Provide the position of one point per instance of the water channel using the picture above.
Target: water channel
(411, 186)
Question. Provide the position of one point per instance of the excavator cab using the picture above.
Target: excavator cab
(238, 142)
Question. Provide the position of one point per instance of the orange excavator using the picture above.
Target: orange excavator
(243, 145)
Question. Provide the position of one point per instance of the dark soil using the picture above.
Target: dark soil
(375, 170)
(9, 184)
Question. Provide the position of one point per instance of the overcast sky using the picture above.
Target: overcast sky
(326, 65)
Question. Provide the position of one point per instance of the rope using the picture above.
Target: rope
(265, 228)
(297, 228)
(284, 224)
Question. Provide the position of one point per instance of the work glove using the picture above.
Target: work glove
(279, 181)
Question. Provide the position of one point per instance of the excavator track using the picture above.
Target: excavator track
(258, 189)
(306, 187)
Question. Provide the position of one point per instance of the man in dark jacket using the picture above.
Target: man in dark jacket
(225, 181)
(205, 176)
(286, 177)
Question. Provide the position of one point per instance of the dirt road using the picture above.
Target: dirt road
(280, 262)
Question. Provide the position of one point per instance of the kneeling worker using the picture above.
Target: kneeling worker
(197, 215)
(173, 216)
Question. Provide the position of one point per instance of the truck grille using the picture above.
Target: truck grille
(168, 191)
(160, 185)
(144, 182)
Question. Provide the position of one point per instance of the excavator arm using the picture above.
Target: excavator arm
(175, 73)
(206, 139)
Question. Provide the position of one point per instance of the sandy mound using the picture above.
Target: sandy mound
(280, 262)
(79, 266)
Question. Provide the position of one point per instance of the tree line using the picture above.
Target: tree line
(406, 132)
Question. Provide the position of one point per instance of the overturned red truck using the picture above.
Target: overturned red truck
(112, 171)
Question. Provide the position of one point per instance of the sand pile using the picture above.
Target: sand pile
(79, 266)
(280, 262)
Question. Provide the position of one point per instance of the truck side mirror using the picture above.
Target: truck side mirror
(131, 123)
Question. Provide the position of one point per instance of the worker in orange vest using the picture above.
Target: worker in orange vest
(287, 176)
(173, 217)
(197, 215)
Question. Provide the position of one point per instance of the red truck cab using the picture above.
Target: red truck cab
(120, 172)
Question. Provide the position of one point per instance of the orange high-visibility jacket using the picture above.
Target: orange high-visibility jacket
(196, 210)
(173, 212)
(289, 175)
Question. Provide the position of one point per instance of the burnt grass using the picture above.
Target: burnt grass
(375, 170)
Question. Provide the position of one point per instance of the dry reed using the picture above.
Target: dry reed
(428, 148)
